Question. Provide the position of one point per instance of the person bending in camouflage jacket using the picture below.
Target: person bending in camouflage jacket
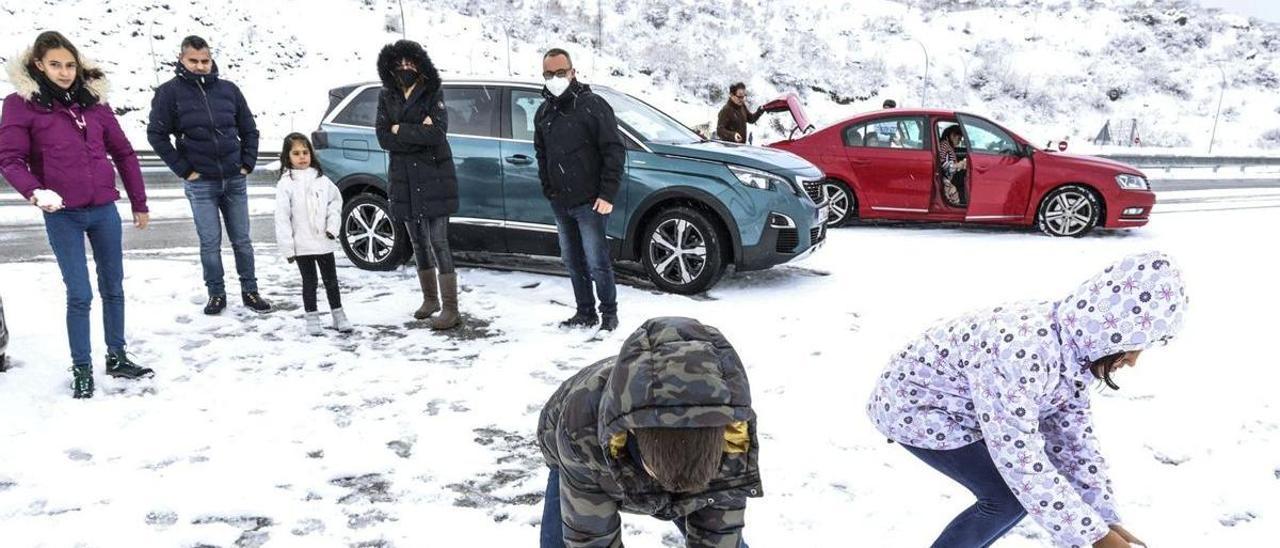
(664, 429)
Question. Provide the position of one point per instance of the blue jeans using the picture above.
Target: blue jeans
(551, 533)
(585, 251)
(67, 230)
(997, 509)
(213, 202)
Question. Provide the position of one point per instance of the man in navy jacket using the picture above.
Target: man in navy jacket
(202, 127)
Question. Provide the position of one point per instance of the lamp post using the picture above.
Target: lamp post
(1214, 134)
(924, 87)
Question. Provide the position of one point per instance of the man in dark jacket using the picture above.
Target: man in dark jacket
(664, 429)
(731, 123)
(580, 157)
(216, 148)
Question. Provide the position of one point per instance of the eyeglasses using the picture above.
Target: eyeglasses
(562, 73)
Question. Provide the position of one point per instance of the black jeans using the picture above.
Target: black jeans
(328, 270)
(430, 237)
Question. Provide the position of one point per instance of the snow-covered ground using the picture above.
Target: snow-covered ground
(253, 433)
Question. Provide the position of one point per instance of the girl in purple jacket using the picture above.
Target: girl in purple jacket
(56, 133)
(998, 400)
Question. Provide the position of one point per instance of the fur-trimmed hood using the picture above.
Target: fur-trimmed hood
(28, 88)
(406, 49)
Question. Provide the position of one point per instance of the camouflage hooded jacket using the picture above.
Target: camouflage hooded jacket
(671, 373)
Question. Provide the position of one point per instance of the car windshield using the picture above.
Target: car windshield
(645, 122)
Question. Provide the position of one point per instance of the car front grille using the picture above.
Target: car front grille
(813, 187)
(817, 234)
(788, 240)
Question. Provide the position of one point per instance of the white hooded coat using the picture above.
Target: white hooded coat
(308, 205)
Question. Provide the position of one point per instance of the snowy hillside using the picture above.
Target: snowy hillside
(1048, 68)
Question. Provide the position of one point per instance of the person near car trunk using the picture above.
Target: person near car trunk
(201, 126)
(998, 400)
(56, 134)
(580, 157)
(664, 429)
(731, 123)
(954, 169)
(412, 126)
(308, 216)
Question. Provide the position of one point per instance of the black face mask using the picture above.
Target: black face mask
(406, 77)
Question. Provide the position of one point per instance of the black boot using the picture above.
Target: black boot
(255, 302)
(608, 322)
(216, 304)
(82, 381)
(119, 365)
(581, 319)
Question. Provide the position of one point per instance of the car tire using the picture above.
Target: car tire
(4, 363)
(369, 237)
(842, 201)
(1069, 211)
(669, 250)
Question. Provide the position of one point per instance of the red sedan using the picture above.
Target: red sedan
(893, 165)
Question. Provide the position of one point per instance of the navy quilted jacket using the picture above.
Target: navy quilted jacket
(213, 130)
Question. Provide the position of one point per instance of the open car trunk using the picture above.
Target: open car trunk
(790, 103)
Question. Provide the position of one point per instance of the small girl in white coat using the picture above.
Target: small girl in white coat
(308, 213)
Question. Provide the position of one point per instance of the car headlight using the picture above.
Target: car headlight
(1132, 182)
(758, 179)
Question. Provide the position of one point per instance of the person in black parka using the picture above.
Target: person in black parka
(412, 127)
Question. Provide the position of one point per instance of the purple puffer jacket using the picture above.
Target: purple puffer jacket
(45, 147)
(1018, 377)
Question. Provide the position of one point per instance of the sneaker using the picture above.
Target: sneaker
(340, 321)
(216, 304)
(82, 381)
(255, 302)
(608, 322)
(119, 365)
(581, 319)
(314, 327)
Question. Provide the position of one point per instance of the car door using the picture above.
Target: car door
(1000, 176)
(530, 224)
(890, 159)
(473, 112)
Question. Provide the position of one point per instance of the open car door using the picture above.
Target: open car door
(790, 103)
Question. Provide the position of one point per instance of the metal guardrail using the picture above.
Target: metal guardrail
(1167, 161)
(150, 160)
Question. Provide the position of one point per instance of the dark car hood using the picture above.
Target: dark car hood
(1077, 160)
(766, 159)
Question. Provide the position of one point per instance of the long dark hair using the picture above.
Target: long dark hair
(51, 40)
(289, 140)
(953, 130)
(1102, 367)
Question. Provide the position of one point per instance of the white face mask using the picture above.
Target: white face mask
(558, 85)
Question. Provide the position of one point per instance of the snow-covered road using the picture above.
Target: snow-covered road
(253, 433)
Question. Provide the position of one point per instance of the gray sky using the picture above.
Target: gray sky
(1268, 10)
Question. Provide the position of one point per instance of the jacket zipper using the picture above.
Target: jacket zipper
(222, 174)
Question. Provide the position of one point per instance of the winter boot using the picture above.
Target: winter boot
(82, 381)
(119, 365)
(340, 321)
(314, 327)
(581, 319)
(449, 318)
(255, 302)
(608, 322)
(430, 294)
(215, 305)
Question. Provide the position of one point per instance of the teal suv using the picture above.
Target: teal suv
(687, 208)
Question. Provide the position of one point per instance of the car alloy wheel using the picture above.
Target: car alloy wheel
(678, 251)
(839, 200)
(1070, 211)
(370, 233)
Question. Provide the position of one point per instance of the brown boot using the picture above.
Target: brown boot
(449, 318)
(430, 295)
